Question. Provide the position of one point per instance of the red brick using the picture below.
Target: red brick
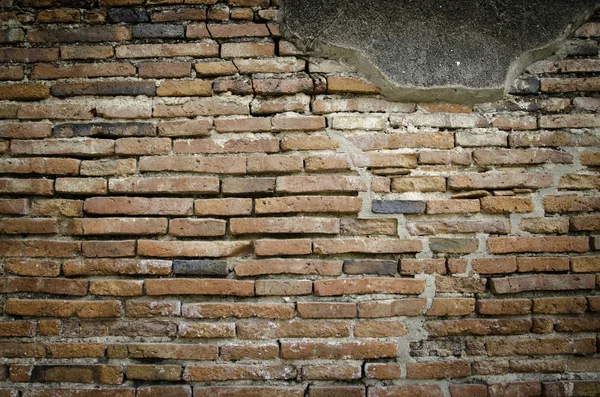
(63, 308)
(116, 287)
(117, 266)
(511, 347)
(350, 85)
(494, 265)
(44, 285)
(28, 54)
(39, 248)
(391, 308)
(298, 123)
(75, 111)
(84, 186)
(560, 305)
(25, 130)
(331, 372)
(116, 226)
(28, 226)
(200, 146)
(238, 372)
(368, 286)
(200, 127)
(86, 52)
(48, 71)
(284, 225)
(459, 284)
(152, 308)
(336, 391)
(247, 124)
(292, 329)
(206, 330)
(288, 266)
(468, 390)
(451, 307)
(32, 267)
(178, 185)
(366, 245)
(247, 50)
(545, 264)
(275, 164)
(504, 245)
(498, 307)
(171, 351)
(428, 266)
(159, 391)
(406, 391)
(283, 287)
(515, 389)
(499, 181)
(70, 350)
(477, 327)
(337, 350)
(269, 351)
(452, 206)
(199, 287)
(438, 369)
(509, 285)
(239, 310)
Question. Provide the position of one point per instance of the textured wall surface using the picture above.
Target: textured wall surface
(193, 207)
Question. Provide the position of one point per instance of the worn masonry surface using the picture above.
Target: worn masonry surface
(192, 206)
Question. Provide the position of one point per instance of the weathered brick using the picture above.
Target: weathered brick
(511, 347)
(582, 264)
(368, 286)
(498, 307)
(350, 85)
(63, 308)
(283, 287)
(542, 264)
(196, 50)
(179, 185)
(247, 50)
(509, 285)
(238, 372)
(391, 308)
(438, 369)
(434, 140)
(248, 391)
(268, 351)
(199, 287)
(338, 351)
(117, 266)
(353, 227)
(504, 245)
(87, 34)
(559, 305)
(274, 65)
(24, 92)
(477, 327)
(32, 267)
(206, 330)
(545, 225)
(152, 308)
(292, 329)
(158, 391)
(451, 307)
(200, 146)
(452, 227)
(406, 391)
(239, 310)
(459, 284)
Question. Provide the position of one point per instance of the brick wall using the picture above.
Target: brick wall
(191, 206)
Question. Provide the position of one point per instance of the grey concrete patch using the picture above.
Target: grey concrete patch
(459, 51)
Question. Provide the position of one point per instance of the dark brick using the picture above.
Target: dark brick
(88, 34)
(148, 31)
(595, 241)
(107, 88)
(201, 268)
(453, 245)
(579, 48)
(103, 130)
(370, 266)
(398, 207)
(525, 86)
(128, 15)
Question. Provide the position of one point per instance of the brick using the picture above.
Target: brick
(463, 327)
(179, 185)
(428, 266)
(451, 227)
(419, 184)
(525, 389)
(86, 52)
(46, 392)
(70, 350)
(591, 159)
(108, 167)
(358, 122)
(238, 372)
(541, 283)
(314, 184)
(545, 225)
(25, 130)
(223, 207)
(104, 88)
(213, 165)
(56, 207)
(247, 50)
(184, 14)
(111, 130)
(326, 310)
(191, 248)
(477, 139)
(199, 287)
(451, 307)
(406, 391)
(582, 364)
(116, 226)
(148, 70)
(24, 92)
(438, 140)
(552, 138)
(579, 182)
(445, 158)
(236, 86)
(337, 351)
(44, 285)
(275, 65)
(164, 31)
(371, 266)
(48, 71)
(518, 123)
(88, 34)
(152, 309)
(238, 30)
(127, 15)
(588, 84)
(39, 248)
(288, 266)
(138, 206)
(571, 203)
(452, 206)
(383, 371)
(16, 328)
(453, 245)
(438, 369)
(559, 305)
(246, 124)
(368, 286)
(350, 85)
(439, 120)
(468, 390)
(513, 157)
(352, 227)
(158, 391)
(247, 391)
(196, 50)
(511, 347)
(207, 330)
(40, 166)
(118, 266)
(498, 181)
(391, 308)
(571, 388)
(63, 308)
(269, 351)
(95, 249)
(298, 103)
(292, 329)
(116, 288)
(284, 225)
(504, 245)
(283, 287)
(22, 350)
(545, 264)
(582, 264)
(384, 160)
(238, 310)
(282, 247)
(366, 245)
(28, 54)
(313, 142)
(197, 227)
(498, 307)
(200, 146)
(274, 164)
(28, 226)
(248, 185)
(72, 147)
(331, 372)
(32, 267)
(298, 123)
(201, 267)
(217, 68)
(585, 223)
(200, 127)
(84, 186)
(494, 265)
(459, 284)
(102, 374)
(172, 351)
